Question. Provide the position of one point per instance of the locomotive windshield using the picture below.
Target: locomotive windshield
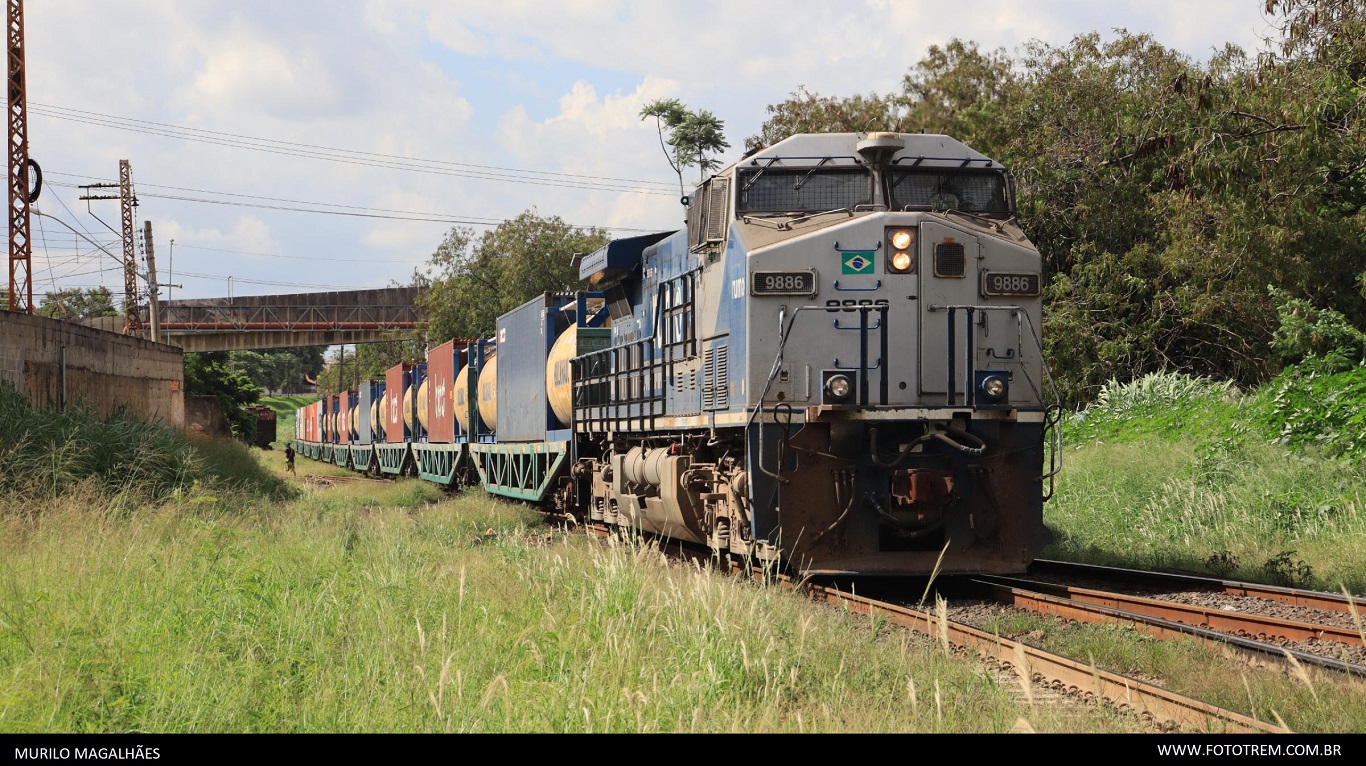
(979, 191)
(804, 190)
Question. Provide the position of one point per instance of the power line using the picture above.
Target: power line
(364, 159)
(346, 151)
(295, 257)
(270, 283)
(381, 213)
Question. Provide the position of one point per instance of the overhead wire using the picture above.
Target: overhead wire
(300, 257)
(400, 215)
(332, 154)
(169, 126)
(355, 157)
(269, 283)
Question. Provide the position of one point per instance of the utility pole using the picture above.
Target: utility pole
(152, 289)
(132, 322)
(132, 317)
(20, 196)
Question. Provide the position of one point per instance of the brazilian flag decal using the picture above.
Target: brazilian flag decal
(857, 262)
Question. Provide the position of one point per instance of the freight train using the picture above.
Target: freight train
(835, 365)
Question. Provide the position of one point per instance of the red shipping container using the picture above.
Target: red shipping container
(395, 386)
(441, 369)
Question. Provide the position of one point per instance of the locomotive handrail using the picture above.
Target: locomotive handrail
(838, 326)
(963, 161)
(878, 246)
(1053, 428)
(836, 361)
(876, 285)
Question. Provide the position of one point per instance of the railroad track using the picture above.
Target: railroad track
(1162, 707)
(1246, 635)
(1307, 599)
(1149, 701)
(1264, 624)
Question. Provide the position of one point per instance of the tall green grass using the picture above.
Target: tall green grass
(43, 454)
(288, 402)
(1303, 407)
(1181, 472)
(364, 607)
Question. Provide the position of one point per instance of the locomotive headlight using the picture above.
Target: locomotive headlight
(899, 257)
(994, 387)
(838, 386)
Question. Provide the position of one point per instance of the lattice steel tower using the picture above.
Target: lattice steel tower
(20, 244)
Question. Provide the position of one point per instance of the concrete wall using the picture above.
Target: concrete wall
(61, 363)
(204, 417)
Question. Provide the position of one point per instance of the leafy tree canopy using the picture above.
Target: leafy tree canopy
(212, 373)
(78, 303)
(348, 367)
(686, 137)
(1164, 194)
(474, 280)
(280, 371)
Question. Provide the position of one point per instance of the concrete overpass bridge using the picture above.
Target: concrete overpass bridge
(284, 321)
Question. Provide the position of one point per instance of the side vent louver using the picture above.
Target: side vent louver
(709, 214)
(949, 259)
(716, 378)
(718, 194)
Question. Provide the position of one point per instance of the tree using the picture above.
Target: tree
(1324, 30)
(475, 280)
(211, 373)
(369, 361)
(961, 91)
(279, 371)
(691, 135)
(78, 303)
(807, 112)
(957, 90)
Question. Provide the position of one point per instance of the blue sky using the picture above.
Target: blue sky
(448, 111)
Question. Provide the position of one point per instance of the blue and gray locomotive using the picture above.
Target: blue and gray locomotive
(836, 365)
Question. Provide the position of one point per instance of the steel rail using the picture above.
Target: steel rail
(1214, 618)
(1334, 602)
(1256, 652)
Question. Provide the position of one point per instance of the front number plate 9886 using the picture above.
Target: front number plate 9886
(784, 282)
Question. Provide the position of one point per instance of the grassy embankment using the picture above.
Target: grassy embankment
(1168, 471)
(220, 596)
(284, 407)
(216, 595)
(1173, 472)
